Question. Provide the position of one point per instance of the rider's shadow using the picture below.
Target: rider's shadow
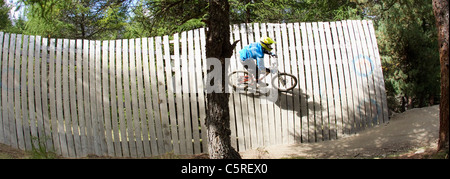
(293, 101)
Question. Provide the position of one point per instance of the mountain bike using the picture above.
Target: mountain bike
(242, 80)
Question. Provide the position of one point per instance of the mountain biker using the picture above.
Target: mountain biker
(252, 56)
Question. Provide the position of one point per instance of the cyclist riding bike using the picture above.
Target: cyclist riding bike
(252, 57)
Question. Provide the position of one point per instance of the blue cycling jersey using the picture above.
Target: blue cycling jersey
(254, 51)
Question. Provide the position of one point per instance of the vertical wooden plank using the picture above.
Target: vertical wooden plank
(88, 148)
(73, 100)
(31, 60)
(288, 135)
(11, 128)
(314, 118)
(17, 89)
(82, 152)
(155, 99)
(126, 85)
(59, 99)
(203, 74)
(354, 89)
(303, 113)
(200, 89)
(251, 99)
(140, 87)
(244, 97)
(105, 99)
(100, 122)
(296, 128)
(2, 135)
(37, 90)
(66, 99)
(114, 109)
(321, 117)
(274, 111)
(134, 101)
(335, 100)
(257, 99)
(120, 99)
(193, 92)
(258, 138)
(359, 67)
(329, 110)
(44, 85)
(162, 95)
(186, 100)
(359, 102)
(266, 104)
(24, 91)
(236, 95)
(366, 65)
(378, 74)
(344, 77)
(178, 94)
(338, 79)
(170, 97)
(229, 89)
(52, 95)
(148, 101)
(4, 99)
(374, 93)
(92, 86)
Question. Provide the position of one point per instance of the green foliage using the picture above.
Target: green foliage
(85, 19)
(292, 11)
(407, 40)
(4, 17)
(163, 17)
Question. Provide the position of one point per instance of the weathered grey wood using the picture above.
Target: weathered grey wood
(73, 99)
(162, 96)
(44, 86)
(24, 94)
(17, 99)
(170, 97)
(114, 100)
(134, 101)
(142, 110)
(4, 92)
(10, 93)
(105, 99)
(148, 101)
(155, 98)
(179, 95)
(59, 99)
(87, 149)
(120, 100)
(2, 134)
(82, 148)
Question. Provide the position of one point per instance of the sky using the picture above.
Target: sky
(13, 14)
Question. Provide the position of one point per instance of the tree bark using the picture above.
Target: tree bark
(218, 116)
(440, 9)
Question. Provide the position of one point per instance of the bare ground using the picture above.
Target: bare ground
(411, 134)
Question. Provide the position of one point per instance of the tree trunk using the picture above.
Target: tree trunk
(218, 115)
(440, 9)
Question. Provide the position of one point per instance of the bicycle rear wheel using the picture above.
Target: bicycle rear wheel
(284, 82)
(239, 80)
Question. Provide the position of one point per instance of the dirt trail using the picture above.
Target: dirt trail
(415, 129)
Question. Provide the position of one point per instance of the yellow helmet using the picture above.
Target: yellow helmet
(266, 43)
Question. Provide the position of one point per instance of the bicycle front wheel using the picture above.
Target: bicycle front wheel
(284, 82)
